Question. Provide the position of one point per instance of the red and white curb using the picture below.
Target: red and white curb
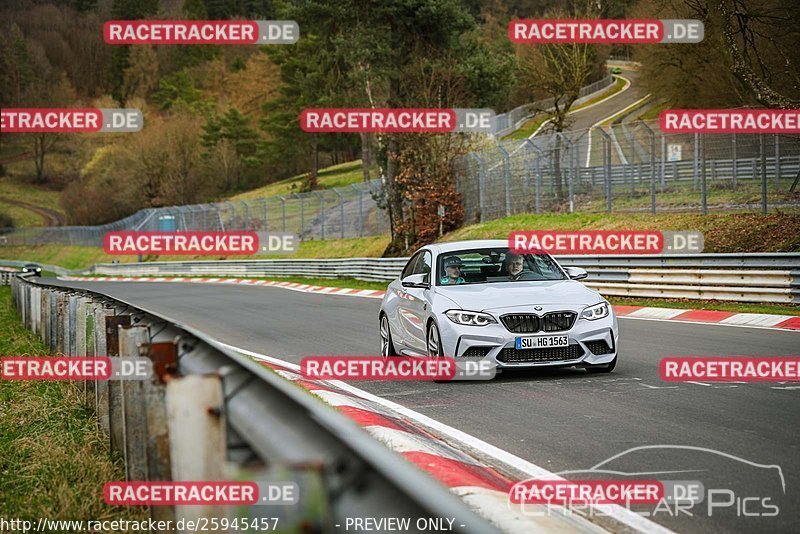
(752, 320)
(421, 441)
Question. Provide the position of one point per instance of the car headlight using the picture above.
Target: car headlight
(470, 318)
(598, 311)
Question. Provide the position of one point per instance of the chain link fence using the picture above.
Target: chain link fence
(629, 166)
(336, 213)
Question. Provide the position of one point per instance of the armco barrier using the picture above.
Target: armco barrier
(210, 413)
(768, 277)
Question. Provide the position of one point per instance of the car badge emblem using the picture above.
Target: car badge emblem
(537, 308)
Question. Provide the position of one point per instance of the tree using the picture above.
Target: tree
(232, 142)
(121, 54)
(558, 71)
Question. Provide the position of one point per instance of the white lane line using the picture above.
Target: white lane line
(589, 139)
(704, 323)
(618, 513)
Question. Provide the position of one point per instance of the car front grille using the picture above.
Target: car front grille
(529, 323)
(476, 352)
(550, 354)
(558, 321)
(599, 347)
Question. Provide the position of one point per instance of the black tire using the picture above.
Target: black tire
(434, 337)
(604, 368)
(387, 347)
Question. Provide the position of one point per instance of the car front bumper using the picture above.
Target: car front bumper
(590, 343)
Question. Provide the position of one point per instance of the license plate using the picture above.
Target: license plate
(541, 342)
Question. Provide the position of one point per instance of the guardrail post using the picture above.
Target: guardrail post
(72, 326)
(44, 314)
(52, 335)
(62, 324)
(134, 423)
(763, 155)
(164, 358)
(101, 315)
(115, 420)
(197, 438)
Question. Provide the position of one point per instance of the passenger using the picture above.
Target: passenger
(452, 269)
(513, 265)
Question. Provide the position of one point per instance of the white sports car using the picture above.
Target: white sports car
(479, 301)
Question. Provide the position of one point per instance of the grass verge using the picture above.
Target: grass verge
(53, 459)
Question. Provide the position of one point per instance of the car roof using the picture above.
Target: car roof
(452, 246)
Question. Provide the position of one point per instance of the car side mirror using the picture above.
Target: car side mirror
(576, 273)
(416, 280)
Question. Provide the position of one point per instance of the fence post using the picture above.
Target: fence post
(652, 136)
(607, 166)
(733, 144)
(360, 209)
(763, 155)
(777, 162)
(570, 185)
(341, 211)
(283, 212)
(481, 204)
(506, 176)
(266, 224)
(696, 158)
(538, 188)
(703, 188)
(302, 214)
(321, 211)
(663, 161)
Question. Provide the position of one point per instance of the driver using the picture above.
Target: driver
(513, 265)
(452, 269)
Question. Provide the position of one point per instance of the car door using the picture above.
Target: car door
(415, 305)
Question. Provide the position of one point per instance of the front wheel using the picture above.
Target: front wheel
(434, 341)
(387, 347)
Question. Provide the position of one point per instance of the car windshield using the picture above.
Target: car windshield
(495, 265)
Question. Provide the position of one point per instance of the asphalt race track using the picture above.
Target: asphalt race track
(559, 419)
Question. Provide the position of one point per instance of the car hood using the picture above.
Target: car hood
(494, 296)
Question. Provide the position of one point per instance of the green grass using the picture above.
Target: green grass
(340, 175)
(736, 307)
(53, 459)
(21, 216)
(17, 190)
(683, 195)
(723, 232)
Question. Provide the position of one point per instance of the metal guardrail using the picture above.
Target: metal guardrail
(232, 411)
(767, 277)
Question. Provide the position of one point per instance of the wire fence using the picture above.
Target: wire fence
(336, 213)
(623, 167)
(629, 167)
